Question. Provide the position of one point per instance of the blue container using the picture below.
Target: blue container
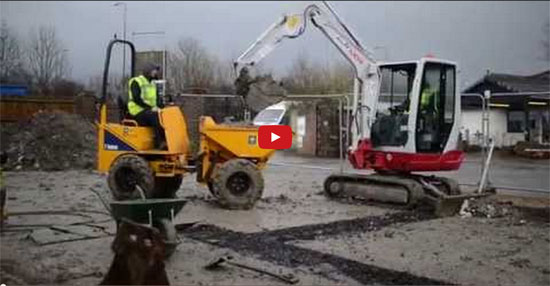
(14, 90)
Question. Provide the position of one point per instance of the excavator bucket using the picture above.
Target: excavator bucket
(450, 205)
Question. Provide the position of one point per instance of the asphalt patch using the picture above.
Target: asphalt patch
(272, 246)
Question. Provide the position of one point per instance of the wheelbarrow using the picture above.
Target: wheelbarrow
(156, 213)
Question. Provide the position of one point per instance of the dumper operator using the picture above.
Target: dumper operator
(144, 102)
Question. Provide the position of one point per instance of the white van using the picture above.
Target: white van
(273, 115)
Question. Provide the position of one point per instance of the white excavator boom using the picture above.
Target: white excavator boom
(367, 74)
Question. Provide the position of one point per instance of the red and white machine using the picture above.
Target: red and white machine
(405, 116)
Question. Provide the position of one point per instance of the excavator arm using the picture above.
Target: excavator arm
(367, 74)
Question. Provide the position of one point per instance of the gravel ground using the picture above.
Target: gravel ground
(293, 229)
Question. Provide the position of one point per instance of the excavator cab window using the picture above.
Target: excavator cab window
(390, 127)
(435, 108)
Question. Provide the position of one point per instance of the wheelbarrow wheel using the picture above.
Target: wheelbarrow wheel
(237, 184)
(128, 172)
(169, 235)
(166, 187)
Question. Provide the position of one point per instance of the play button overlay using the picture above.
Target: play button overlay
(275, 137)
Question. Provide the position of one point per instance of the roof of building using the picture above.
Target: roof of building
(499, 82)
(513, 91)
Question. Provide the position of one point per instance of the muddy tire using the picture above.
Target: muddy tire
(169, 235)
(166, 187)
(237, 184)
(127, 172)
(332, 187)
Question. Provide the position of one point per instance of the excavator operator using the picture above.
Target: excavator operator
(429, 109)
(144, 104)
(429, 100)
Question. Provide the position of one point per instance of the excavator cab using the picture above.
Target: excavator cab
(417, 107)
(392, 117)
(436, 108)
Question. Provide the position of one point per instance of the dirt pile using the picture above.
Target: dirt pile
(265, 92)
(50, 141)
(492, 208)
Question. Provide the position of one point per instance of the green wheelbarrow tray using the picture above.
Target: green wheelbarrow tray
(157, 213)
(147, 211)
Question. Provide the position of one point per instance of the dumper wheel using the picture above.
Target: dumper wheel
(128, 172)
(237, 184)
(166, 187)
(169, 235)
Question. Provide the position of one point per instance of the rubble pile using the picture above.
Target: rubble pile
(486, 208)
(51, 141)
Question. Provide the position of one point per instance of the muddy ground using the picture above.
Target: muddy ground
(293, 229)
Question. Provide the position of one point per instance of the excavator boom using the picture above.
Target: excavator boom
(367, 74)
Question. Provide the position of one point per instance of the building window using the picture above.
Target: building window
(516, 121)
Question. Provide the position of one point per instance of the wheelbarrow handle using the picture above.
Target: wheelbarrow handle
(103, 201)
(288, 278)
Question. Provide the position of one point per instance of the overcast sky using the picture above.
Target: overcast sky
(500, 36)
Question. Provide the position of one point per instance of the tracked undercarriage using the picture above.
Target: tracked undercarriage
(443, 195)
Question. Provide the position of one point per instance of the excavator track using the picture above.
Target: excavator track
(441, 194)
(382, 188)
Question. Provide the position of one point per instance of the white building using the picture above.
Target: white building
(519, 109)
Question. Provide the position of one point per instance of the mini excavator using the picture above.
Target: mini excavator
(404, 117)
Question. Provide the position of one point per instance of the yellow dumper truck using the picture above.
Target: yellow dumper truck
(228, 161)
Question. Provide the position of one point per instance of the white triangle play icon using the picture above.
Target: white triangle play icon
(274, 136)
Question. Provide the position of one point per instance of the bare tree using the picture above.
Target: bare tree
(306, 76)
(223, 77)
(115, 86)
(11, 55)
(46, 57)
(191, 66)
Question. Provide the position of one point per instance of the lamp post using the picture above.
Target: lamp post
(123, 37)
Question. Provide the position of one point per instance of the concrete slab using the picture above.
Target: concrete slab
(46, 236)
